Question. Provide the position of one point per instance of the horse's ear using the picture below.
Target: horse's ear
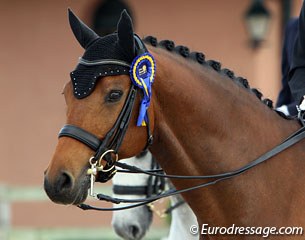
(125, 34)
(84, 35)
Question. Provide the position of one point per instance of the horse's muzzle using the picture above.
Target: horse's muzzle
(65, 190)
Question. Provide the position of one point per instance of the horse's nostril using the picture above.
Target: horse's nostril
(135, 231)
(65, 181)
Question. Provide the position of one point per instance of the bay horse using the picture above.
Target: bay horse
(133, 223)
(202, 122)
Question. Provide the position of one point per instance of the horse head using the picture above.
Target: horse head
(96, 100)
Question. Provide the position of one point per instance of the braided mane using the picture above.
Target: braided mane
(200, 58)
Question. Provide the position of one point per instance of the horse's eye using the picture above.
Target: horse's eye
(114, 96)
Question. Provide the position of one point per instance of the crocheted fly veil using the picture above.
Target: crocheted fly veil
(104, 56)
(115, 54)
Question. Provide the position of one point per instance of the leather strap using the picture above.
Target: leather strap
(129, 190)
(291, 140)
(81, 135)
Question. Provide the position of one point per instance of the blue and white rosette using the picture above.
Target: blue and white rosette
(142, 74)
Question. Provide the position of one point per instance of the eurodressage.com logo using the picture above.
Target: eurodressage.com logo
(265, 232)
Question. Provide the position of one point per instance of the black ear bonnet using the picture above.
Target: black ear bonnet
(104, 56)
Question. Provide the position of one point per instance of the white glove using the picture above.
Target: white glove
(302, 104)
(284, 109)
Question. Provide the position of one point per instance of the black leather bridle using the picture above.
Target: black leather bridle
(110, 144)
(112, 140)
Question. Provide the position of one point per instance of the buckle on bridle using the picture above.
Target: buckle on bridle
(109, 163)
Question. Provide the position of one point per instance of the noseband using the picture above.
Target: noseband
(109, 144)
(107, 148)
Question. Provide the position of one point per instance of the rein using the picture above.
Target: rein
(288, 142)
(155, 186)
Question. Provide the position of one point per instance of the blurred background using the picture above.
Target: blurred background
(37, 53)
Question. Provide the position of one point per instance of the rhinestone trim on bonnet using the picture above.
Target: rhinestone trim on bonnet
(84, 77)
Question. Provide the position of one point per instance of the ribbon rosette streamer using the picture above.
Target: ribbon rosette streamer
(142, 74)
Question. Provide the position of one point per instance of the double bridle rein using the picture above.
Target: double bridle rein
(288, 142)
(109, 146)
(154, 186)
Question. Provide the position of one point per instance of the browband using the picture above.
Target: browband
(103, 62)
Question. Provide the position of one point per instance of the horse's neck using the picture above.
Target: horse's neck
(209, 125)
(201, 115)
